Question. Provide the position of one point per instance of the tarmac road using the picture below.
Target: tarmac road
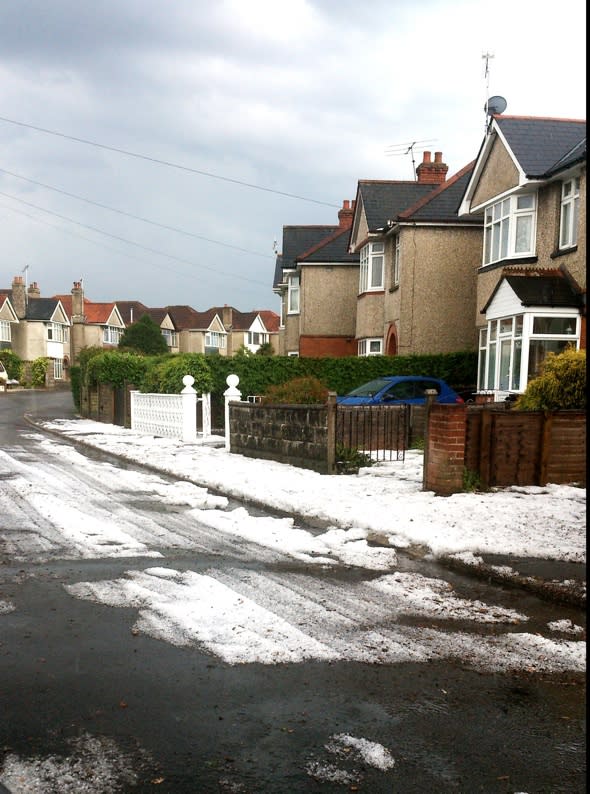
(88, 704)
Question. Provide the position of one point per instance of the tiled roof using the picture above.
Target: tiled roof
(543, 145)
(131, 311)
(297, 240)
(41, 308)
(270, 319)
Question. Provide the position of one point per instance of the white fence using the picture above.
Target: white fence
(171, 415)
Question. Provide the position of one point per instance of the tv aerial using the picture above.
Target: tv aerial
(409, 148)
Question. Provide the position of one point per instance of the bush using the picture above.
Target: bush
(75, 384)
(144, 336)
(561, 383)
(116, 368)
(39, 372)
(165, 376)
(12, 364)
(299, 391)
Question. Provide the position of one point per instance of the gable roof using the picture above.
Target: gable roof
(270, 319)
(97, 313)
(383, 200)
(43, 309)
(537, 288)
(541, 144)
(442, 204)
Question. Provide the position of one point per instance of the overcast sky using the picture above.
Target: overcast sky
(267, 114)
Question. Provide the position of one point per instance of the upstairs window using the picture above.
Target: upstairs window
(293, 295)
(396, 264)
(570, 210)
(57, 332)
(256, 338)
(371, 271)
(509, 228)
(4, 331)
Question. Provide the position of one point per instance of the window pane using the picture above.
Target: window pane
(518, 325)
(504, 244)
(516, 364)
(377, 271)
(524, 202)
(538, 350)
(524, 226)
(505, 346)
(554, 325)
(492, 366)
(506, 325)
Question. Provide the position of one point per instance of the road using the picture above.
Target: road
(146, 646)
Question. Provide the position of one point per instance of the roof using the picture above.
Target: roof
(41, 308)
(543, 146)
(131, 311)
(94, 312)
(334, 248)
(296, 241)
(270, 319)
(535, 289)
(383, 200)
(442, 204)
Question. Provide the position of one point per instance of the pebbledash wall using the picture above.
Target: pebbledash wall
(494, 445)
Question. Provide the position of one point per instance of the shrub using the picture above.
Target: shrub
(166, 376)
(306, 390)
(350, 459)
(12, 364)
(561, 383)
(144, 336)
(116, 368)
(75, 384)
(39, 372)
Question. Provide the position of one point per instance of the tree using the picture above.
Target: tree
(144, 336)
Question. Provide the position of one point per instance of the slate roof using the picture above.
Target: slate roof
(296, 241)
(333, 249)
(442, 204)
(383, 200)
(131, 311)
(543, 146)
(534, 289)
(41, 308)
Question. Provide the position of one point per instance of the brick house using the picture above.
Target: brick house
(529, 188)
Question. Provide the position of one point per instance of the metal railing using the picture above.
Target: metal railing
(380, 431)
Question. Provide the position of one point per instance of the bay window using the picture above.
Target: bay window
(509, 228)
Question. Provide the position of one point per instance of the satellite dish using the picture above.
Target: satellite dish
(495, 104)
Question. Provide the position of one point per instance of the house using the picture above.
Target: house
(416, 290)
(248, 330)
(132, 311)
(529, 187)
(7, 318)
(93, 324)
(316, 277)
(42, 330)
(199, 332)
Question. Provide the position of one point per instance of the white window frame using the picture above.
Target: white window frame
(294, 294)
(293, 353)
(372, 259)
(57, 332)
(510, 228)
(370, 347)
(257, 338)
(5, 335)
(505, 362)
(111, 334)
(215, 339)
(58, 369)
(570, 212)
(171, 337)
(395, 270)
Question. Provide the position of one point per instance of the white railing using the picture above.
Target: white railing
(171, 415)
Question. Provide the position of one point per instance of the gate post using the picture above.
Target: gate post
(231, 393)
(189, 410)
(331, 434)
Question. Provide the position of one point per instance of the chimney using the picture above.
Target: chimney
(78, 303)
(431, 173)
(19, 297)
(345, 215)
(227, 317)
(34, 291)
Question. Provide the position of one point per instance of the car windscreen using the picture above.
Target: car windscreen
(369, 389)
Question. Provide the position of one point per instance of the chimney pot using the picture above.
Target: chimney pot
(426, 157)
(438, 157)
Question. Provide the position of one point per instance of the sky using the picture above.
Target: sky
(281, 610)
(156, 150)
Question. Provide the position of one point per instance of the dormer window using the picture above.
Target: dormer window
(509, 228)
(570, 209)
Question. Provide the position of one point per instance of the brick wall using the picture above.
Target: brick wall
(327, 346)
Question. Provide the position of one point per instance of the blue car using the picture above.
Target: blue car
(397, 389)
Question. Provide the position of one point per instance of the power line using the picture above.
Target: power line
(130, 215)
(165, 162)
(130, 242)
